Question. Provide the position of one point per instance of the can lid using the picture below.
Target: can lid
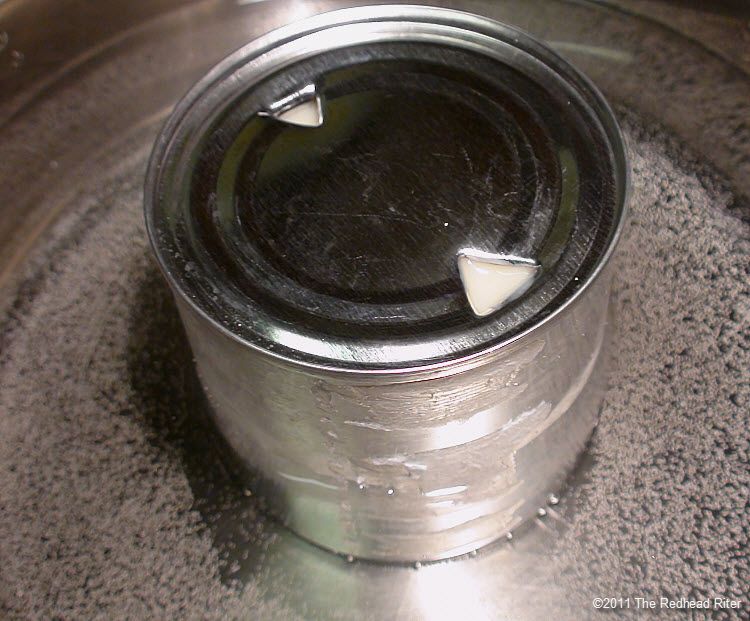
(386, 188)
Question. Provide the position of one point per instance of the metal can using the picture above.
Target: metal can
(387, 230)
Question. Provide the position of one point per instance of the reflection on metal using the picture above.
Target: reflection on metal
(492, 280)
(594, 51)
(303, 108)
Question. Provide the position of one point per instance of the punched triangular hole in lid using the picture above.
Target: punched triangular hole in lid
(306, 114)
(303, 108)
(492, 280)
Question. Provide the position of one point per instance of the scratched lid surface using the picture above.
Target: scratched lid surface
(386, 194)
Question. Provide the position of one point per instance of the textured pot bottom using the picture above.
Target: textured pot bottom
(113, 471)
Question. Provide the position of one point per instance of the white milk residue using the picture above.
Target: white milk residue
(446, 491)
(367, 425)
(491, 280)
(306, 481)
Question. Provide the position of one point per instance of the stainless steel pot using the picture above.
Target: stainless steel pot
(381, 414)
(84, 85)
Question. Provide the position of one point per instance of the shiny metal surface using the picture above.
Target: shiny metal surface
(61, 107)
(411, 470)
(336, 247)
(436, 439)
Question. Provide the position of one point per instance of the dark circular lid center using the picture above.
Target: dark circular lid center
(374, 204)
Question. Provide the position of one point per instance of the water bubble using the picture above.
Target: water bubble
(509, 536)
(541, 511)
(552, 499)
(417, 565)
(473, 553)
(349, 558)
(390, 491)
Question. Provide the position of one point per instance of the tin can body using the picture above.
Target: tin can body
(423, 468)
(387, 230)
